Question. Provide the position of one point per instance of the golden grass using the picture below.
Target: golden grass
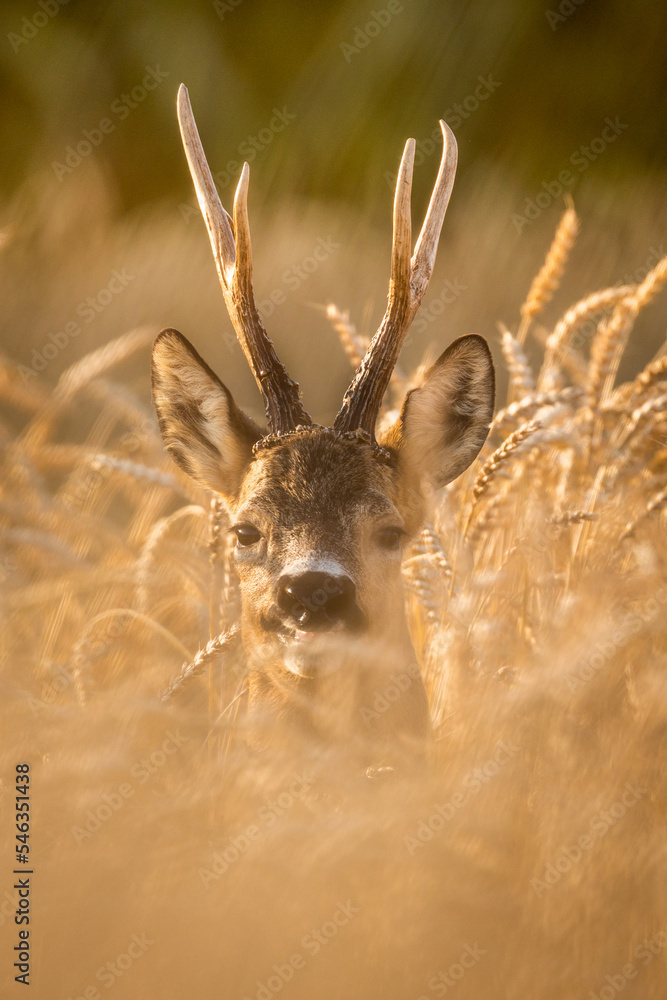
(549, 276)
(537, 598)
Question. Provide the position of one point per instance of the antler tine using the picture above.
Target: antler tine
(402, 235)
(423, 260)
(218, 222)
(408, 283)
(230, 242)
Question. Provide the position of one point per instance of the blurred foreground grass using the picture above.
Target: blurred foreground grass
(528, 857)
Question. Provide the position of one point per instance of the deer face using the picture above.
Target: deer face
(319, 535)
(321, 515)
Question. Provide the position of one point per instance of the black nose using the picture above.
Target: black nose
(317, 601)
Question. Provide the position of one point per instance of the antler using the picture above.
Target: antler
(408, 283)
(230, 242)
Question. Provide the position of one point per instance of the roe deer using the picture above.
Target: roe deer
(321, 514)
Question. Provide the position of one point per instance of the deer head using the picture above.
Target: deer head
(321, 514)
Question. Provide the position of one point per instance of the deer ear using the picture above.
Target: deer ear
(445, 421)
(208, 436)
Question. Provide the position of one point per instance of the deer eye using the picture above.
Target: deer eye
(246, 534)
(389, 538)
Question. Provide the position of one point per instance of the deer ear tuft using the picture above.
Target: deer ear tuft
(208, 436)
(445, 421)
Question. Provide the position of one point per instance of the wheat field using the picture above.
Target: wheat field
(526, 859)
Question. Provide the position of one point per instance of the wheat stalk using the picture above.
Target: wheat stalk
(352, 343)
(192, 669)
(647, 380)
(94, 363)
(501, 456)
(556, 347)
(656, 503)
(83, 372)
(135, 470)
(549, 276)
(570, 396)
(609, 344)
(573, 517)
(522, 381)
(149, 549)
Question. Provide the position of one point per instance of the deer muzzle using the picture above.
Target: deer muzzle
(314, 601)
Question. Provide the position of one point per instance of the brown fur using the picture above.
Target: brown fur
(320, 501)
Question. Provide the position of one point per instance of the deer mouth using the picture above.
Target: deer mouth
(303, 637)
(310, 627)
(311, 648)
(313, 654)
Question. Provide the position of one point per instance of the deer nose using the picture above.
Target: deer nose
(316, 601)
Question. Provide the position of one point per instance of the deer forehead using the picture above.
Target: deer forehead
(318, 483)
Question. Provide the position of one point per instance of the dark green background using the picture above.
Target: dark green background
(558, 82)
(327, 175)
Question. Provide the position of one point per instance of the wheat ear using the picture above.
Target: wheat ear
(351, 342)
(556, 348)
(609, 344)
(189, 670)
(549, 276)
(522, 380)
(657, 502)
(501, 455)
(522, 408)
(354, 344)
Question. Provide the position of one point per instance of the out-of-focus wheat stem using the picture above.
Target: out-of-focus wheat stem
(354, 344)
(573, 517)
(83, 371)
(147, 554)
(136, 470)
(216, 538)
(656, 503)
(522, 381)
(650, 378)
